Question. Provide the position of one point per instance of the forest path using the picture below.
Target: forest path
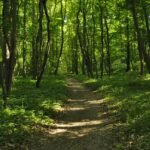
(85, 123)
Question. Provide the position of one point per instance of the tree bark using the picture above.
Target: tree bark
(33, 58)
(80, 39)
(108, 47)
(40, 75)
(9, 44)
(24, 39)
(62, 38)
(85, 47)
(141, 48)
(93, 45)
(128, 67)
(146, 21)
(102, 43)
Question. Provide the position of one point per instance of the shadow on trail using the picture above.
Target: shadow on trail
(85, 124)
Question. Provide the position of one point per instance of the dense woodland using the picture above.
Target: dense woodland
(103, 42)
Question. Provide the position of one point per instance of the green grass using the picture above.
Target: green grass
(130, 95)
(29, 107)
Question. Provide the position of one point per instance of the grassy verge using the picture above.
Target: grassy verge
(29, 107)
(130, 95)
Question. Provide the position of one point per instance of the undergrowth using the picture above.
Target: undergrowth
(28, 107)
(130, 95)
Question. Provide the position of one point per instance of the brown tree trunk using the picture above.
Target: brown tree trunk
(128, 46)
(75, 56)
(62, 38)
(139, 37)
(142, 50)
(24, 39)
(80, 40)
(146, 16)
(33, 58)
(39, 39)
(102, 43)
(108, 47)
(40, 75)
(93, 46)
(85, 47)
(9, 45)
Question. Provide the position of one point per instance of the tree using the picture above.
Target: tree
(63, 15)
(42, 5)
(9, 45)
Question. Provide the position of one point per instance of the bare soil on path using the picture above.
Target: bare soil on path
(84, 124)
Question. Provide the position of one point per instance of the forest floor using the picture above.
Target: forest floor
(84, 124)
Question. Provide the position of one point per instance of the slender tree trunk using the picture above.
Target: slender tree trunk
(6, 20)
(62, 38)
(24, 39)
(80, 40)
(141, 47)
(140, 44)
(75, 56)
(87, 57)
(108, 47)
(102, 43)
(128, 46)
(33, 58)
(39, 40)
(9, 45)
(146, 16)
(40, 75)
(93, 45)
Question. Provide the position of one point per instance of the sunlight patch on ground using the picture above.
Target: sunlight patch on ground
(75, 100)
(100, 101)
(57, 131)
(76, 108)
(80, 124)
(72, 133)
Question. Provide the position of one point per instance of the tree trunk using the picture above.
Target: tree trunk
(102, 43)
(139, 37)
(33, 58)
(39, 78)
(75, 56)
(108, 47)
(62, 38)
(146, 16)
(24, 39)
(128, 46)
(39, 39)
(80, 40)
(85, 48)
(9, 45)
(142, 50)
(93, 46)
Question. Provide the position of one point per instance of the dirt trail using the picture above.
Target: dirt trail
(85, 124)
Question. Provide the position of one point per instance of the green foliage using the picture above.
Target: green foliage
(130, 96)
(29, 107)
